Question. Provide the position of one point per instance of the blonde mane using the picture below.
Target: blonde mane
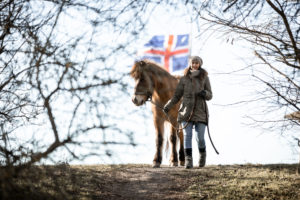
(150, 68)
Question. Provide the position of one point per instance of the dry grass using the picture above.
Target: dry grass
(247, 182)
(143, 182)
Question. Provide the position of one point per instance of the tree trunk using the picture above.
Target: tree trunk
(298, 168)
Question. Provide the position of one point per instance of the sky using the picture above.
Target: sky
(236, 142)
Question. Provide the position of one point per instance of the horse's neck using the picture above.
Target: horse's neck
(163, 90)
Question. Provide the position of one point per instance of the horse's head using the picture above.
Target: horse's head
(143, 84)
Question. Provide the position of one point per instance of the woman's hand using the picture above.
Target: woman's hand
(202, 94)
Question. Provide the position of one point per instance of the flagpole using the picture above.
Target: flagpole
(191, 36)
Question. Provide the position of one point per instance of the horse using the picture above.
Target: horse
(154, 82)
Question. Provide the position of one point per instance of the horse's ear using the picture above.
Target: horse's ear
(142, 63)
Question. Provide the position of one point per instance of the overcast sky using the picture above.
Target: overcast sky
(236, 142)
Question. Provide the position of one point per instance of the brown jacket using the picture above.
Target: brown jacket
(187, 88)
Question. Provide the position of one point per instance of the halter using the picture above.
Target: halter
(149, 90)
(148, 94)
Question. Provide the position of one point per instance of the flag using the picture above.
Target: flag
(171, 51)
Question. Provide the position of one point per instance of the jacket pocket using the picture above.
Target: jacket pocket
(185, 110)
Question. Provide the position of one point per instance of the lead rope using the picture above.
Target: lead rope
(176, 128)
(206, 114)
(205, 107)
(187, 122)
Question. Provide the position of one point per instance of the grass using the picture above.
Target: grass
(143, 182)
(247, 182)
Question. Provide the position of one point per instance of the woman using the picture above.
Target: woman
(194, 87)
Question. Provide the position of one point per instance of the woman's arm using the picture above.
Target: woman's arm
(176, 97)
(207, 88)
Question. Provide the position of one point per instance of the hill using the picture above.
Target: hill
(144, 182)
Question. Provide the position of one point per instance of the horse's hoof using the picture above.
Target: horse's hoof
(156, 165)
(174, 164)
(181, 163)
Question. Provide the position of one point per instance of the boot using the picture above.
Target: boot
(188, 162)
(188, 158)
(202, 159)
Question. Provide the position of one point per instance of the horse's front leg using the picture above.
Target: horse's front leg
(173, 141)
(181, 148)
(159, 135)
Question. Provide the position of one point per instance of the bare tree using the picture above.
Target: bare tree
(60, 62)
(272, 30)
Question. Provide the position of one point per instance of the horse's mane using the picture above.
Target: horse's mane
(149, 67)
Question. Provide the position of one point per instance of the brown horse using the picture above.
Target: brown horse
(152, 81)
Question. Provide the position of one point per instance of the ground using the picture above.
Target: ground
(144, 182)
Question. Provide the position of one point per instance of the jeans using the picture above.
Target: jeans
(188, 134)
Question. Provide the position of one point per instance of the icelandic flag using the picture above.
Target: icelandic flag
(171, 51)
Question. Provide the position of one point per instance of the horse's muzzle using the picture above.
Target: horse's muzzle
(139, 100)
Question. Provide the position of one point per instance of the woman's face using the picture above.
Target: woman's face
(195, 65)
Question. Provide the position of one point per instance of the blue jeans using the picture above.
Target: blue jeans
(188, 134)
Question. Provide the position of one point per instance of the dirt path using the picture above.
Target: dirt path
(149, 183)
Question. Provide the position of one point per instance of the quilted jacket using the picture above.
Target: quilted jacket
(193, 107)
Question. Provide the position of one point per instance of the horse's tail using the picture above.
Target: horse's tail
(167, 140)
(167, 148)
(179, 139)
